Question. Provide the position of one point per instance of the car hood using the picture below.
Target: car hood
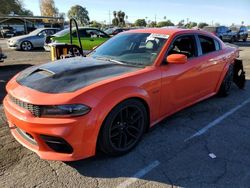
(69, 75)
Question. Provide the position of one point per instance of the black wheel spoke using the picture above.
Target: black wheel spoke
(131, 134)
(120, 140)
(134, 120)
(134, 128)
(114, 135)
(125, 139)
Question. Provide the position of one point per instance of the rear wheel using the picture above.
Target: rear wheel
(123, 128)
(226, 83)
(26, 46)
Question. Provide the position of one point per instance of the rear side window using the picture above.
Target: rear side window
(217, 45)
(207, 44)
(82, 33)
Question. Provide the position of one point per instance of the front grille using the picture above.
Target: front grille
(34, 109)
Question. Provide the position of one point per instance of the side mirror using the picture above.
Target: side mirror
(176, 59)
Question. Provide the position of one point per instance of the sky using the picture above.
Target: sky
(224, 12)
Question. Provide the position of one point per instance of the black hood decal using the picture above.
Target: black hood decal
(69, 75)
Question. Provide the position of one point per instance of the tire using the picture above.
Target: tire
(26, 46)
(226, 83)
(123, 128)
(233, 39)
(245, 39)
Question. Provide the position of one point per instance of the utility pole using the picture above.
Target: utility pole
(109, 18)
(155, 18)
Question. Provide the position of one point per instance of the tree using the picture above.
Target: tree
(80, 14)
(14, 6)
(152, 24)
(165, 23)
(181, 23)
(115, 20)
(140, 22)
(202, 24)
(47, 8)
(119, 18)
(95, 24)
(191, 25)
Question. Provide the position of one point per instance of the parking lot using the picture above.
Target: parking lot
(206, 145)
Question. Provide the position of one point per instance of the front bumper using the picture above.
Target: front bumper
(47, 47)
(37, 134)
(13, 45)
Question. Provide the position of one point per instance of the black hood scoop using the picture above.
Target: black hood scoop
(69, 75)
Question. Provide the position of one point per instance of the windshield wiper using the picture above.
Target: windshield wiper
(120, 62)
(111, 60)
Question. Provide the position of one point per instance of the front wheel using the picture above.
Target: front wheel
(123, 128)
(226, 83)
(245, 39)
(26, 46)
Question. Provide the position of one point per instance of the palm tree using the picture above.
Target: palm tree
(114, 13)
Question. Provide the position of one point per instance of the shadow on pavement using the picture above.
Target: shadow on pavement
(243, 44)
(6, 73)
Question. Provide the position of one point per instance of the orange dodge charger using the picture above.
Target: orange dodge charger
(107, 100)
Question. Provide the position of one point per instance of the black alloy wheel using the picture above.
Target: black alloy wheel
(123, 127)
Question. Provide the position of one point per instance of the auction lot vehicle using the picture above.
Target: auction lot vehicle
(107, 100)
(90, 38)
(223, 32)
(34, 39)
(2, 56)
(8, 32)
(115, 30)
(242, 32)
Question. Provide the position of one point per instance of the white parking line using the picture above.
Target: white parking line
(139, 174)
(218, 120)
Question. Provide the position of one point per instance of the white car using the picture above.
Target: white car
(35, 39)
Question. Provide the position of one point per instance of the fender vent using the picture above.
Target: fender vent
(34, 109)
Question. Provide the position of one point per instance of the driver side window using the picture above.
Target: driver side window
(184, 45)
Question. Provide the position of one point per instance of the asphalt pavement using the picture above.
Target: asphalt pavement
(206, 145)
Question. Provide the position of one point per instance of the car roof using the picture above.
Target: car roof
(40, 29)
(169, 31)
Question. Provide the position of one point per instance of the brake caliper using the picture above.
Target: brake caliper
(239, 77)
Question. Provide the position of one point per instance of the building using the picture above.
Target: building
(26, 24)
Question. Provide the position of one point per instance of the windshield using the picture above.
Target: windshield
(35, 32)
(235, 29)
(132, 48)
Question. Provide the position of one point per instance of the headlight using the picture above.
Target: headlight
(68, 110)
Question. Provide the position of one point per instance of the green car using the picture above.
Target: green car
(90, 38)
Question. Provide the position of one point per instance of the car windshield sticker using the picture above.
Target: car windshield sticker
(154, 35)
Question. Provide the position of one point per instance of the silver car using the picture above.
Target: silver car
(34, 39)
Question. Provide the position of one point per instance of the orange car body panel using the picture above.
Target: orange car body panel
(165, 89)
